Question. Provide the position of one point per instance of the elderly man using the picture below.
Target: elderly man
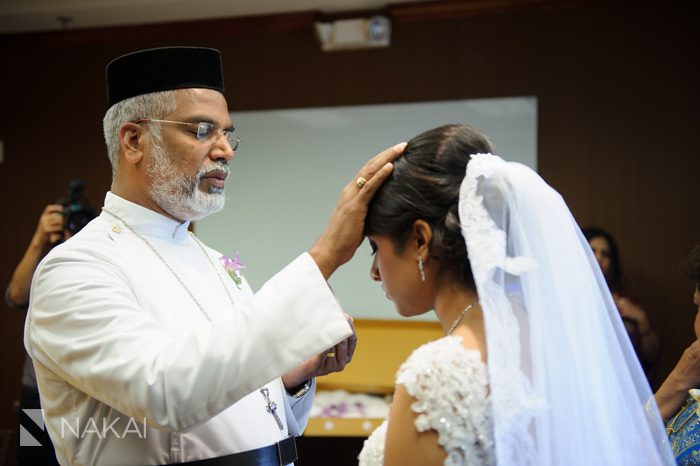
(147, 348)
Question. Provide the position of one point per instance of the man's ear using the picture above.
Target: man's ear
(132, 141)
(421, 236)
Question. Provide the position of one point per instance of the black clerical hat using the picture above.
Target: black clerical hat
(163, 69)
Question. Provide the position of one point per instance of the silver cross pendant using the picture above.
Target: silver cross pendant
(271, 406)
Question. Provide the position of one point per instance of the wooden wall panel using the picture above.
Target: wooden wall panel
(618, 99)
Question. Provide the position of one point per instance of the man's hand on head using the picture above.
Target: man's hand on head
(343, 234)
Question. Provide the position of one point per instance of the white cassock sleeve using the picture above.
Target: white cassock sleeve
(126, 336)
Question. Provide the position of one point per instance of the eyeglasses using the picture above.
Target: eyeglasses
(206, 132)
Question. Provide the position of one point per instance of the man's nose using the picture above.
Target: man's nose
(221, 150)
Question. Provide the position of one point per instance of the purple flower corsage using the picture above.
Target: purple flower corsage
(233, 268)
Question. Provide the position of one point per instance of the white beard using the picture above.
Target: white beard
(179, 195)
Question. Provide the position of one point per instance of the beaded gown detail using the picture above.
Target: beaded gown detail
(450, 385)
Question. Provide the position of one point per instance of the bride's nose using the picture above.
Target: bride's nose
(374, 271)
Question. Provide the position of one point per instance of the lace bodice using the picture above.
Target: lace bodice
(450, 385)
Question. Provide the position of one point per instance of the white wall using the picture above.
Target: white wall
(291, 165)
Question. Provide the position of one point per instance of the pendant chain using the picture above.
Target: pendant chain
(218, 274)
(461, 316)
(172, 271)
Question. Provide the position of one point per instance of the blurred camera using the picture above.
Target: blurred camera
(77, 211)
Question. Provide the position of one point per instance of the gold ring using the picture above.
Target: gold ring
(330, 354)
(361, 182)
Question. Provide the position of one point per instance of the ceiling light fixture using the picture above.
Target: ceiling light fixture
(356, 33)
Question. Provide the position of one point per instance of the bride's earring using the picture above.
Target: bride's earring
(420, 269)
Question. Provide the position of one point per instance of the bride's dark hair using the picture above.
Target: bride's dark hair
(425, 185)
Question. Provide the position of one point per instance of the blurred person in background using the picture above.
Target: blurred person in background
(642, 335)
(56, 224)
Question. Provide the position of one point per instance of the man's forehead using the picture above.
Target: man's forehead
(194, 94)
(205, 103)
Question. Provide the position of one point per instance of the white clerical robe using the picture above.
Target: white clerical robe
(130, 370)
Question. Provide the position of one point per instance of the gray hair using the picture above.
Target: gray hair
(153, 105)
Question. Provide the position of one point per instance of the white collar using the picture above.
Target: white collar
(146, 221)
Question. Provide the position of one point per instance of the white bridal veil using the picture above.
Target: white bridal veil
(566, 386)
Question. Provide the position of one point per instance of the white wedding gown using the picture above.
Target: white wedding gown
(450, 384)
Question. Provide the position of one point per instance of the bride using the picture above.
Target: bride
(535, 367)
